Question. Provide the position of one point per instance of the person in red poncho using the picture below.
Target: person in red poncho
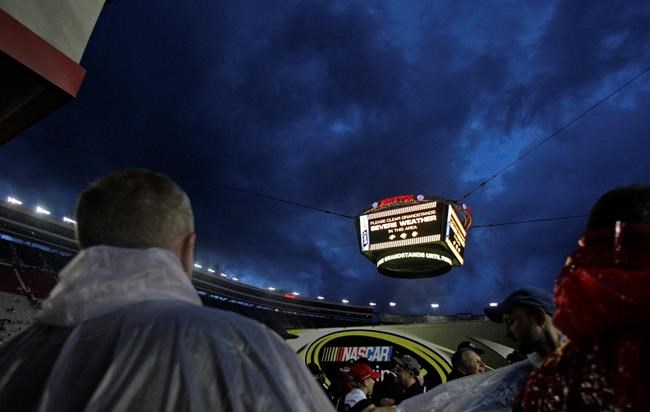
(602, 299)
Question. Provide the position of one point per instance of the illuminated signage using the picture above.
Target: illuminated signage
(396, 199)
(413, 237)
(414, 255)
(346, 353)
(332, 351)
(411, 225)
(456, 235)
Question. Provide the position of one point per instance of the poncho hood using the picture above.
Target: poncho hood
(103, 279)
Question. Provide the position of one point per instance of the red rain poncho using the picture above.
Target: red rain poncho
(603, 306)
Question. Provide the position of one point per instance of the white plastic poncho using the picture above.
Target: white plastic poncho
(125, 330)
(486, 392)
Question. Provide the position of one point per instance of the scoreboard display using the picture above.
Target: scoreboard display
(412, 237)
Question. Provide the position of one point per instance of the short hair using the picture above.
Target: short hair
(630, 204)
(459, 358)
(133, 209)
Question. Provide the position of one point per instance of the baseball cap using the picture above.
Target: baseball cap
(408, 362)
(360, 372)
(471, 346)
(531, 297)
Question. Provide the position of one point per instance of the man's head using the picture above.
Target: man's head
(407, 369)
(467, 362)
(364, 377)
(527, 314)
(629, 204)
(137, 209)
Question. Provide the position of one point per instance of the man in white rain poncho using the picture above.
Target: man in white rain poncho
(527, 315)
(125, 330)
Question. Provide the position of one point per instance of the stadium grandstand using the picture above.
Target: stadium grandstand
(34, 247)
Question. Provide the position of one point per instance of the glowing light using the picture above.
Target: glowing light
(14, 201)
(493, 304)
(372, 304)
(321, 298)
(345, 301)
(271, 288)
(42, 211)
(224, 275)
(392, 304)
(196, 265)
(435, 305)
(395, 199)
(235, 279)
(289, 296)
(68, 220)
(295, 293)
(210, 270)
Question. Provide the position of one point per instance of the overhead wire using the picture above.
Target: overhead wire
(348, 216)
(208, 182)
(519, 222)
(515, 222)
(554, 134)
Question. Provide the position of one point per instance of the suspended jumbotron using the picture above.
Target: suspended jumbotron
(414, 237)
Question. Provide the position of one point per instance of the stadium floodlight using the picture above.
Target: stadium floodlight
(211, 270)
(295, 293)
(42, 211)
(435, 305)
(372, 304)
(320, 297)
(493, 304)
(196, 265)
(392, 304)
(235, 279)
(68, 220)
(271, 288)
(224, 275)
(14, 201)
(345, 301)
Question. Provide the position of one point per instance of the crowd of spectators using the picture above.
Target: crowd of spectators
(126, 302)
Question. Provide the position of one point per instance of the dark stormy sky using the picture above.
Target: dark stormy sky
(337, 104)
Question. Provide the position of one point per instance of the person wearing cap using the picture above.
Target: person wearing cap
(528, 317)
(602, 297)
(527, 314)
(466, 360)
(408, 373)
(358, 399)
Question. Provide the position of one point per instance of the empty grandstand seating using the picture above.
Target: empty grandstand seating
(5, 251)
(16, 314)
(41, 283)
(33, 251)
(8, 281)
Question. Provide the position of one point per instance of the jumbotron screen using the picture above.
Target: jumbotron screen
(412, 237)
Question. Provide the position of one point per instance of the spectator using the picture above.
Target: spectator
(358, 399)
(320, 377)
(408, 375)
(408, 372)
(466, 361)
(125, 330)
(603, 306)
(342, 385)
(389, 388)
(527, 315)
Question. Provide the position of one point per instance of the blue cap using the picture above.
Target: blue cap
(529, 297)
